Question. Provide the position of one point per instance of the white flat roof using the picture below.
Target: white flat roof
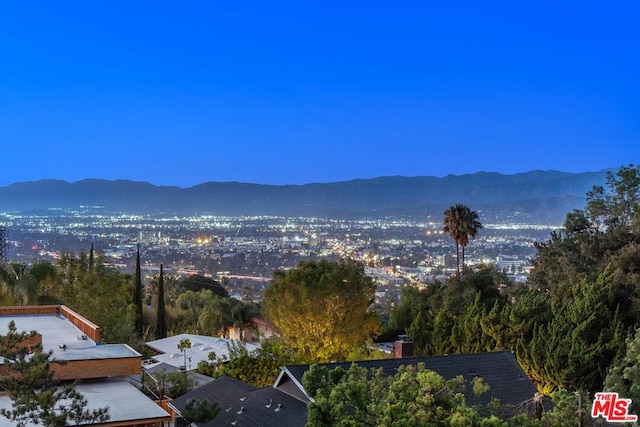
(57, 330)
(201, 346)
(125, 401)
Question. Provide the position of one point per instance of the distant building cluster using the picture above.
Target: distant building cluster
(245, 251)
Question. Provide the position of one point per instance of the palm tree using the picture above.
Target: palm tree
(241, 316)
(216, 316)
(461, 223)
(452, 225)
(468, 229)
(7, 284)
(22, 285)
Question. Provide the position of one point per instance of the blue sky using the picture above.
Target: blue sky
(179, 93)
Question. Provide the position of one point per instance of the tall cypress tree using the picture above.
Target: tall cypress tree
(161, 322)
(91, 258)
(137, 297)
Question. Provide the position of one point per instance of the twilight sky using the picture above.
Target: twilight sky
(179, 93)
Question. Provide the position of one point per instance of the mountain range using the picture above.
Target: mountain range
(542, 197)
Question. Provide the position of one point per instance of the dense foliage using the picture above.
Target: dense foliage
(126, 308)
(176, 383)
(624, 376)
(414, 396)
(569, 326)
(259, 367)
(200, 410)
(197, 283)
(322, 309)
(572, 326)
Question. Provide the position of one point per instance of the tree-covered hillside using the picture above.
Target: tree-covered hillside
(575, 321)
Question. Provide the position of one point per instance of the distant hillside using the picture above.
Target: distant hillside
(537, 196)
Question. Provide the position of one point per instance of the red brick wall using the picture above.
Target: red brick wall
(98, 368)
(29, 309)
(87, 327)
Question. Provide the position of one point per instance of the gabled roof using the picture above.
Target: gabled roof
(500, 370)
(246, 405)
(261, 322)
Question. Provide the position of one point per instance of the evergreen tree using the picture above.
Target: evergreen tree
(91, 257)
(161, 322)
(37, 397)
(624, 377)
(413, 396)
(137, 298)
(322, 308)
(200, 410)
(259, 367)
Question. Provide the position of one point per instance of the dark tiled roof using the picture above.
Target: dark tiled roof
(260, 406)
(500, 370)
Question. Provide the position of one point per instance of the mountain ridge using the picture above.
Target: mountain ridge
(498, 195)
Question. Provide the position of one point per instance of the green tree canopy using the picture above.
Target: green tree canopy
(624, 376)
(322, 308)
(259, 367)
(198, 283)
(414, 396)
(175, 384)
(200, 410)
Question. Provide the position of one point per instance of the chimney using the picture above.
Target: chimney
(403, 347)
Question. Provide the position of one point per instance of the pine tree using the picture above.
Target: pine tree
(161, 322)
(137, 297)
(37, 397)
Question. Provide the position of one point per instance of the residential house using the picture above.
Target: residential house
(242, 404)
(101, 370)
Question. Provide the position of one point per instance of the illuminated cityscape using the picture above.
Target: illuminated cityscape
(244, 251)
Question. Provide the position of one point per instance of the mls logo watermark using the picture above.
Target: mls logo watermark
(613, 408)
